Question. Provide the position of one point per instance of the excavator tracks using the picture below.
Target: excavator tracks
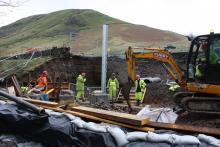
(204, 105)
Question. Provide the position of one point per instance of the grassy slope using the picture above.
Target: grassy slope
(53, 29)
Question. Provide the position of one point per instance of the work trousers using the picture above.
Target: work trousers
(112, 92)
(138, 96)
(79, 94)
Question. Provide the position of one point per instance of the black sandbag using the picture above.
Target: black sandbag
(95, 139)
(7, 140)
(55, 131)
(58, 131)
(17, 119)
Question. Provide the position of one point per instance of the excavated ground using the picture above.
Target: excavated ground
(158, 94)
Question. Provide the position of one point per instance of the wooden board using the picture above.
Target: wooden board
(148, 127)
(114, 116)
(49, 91)
(185, 128)
(41, 103)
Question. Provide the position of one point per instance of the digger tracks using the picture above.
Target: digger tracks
(204, 105)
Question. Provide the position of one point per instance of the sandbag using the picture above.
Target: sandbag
(118, 135)
(153, 137)
(51, 112)
(94, 127)
(70, 116)
(209, 139)
(78, 122)
(186, 139)
(135, 136)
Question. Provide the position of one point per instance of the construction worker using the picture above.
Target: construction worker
(139, 85)
(200, 69)
(174, 87)
(42, 85)
(213, 56)
(80, 86)
(112, 87)
(42, 81)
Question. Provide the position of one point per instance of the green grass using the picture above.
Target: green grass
(48, 30)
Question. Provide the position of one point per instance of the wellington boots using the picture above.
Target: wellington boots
(138, 102)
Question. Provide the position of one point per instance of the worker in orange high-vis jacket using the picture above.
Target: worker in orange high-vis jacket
(42, 85)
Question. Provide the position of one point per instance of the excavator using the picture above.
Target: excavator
(196, 96)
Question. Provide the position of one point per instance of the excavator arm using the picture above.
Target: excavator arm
(161, 55)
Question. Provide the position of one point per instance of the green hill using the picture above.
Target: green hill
(85, 27)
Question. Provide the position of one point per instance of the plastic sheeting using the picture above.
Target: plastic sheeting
(165, 115)
(55, 130)
(59, 129)
(17, 141)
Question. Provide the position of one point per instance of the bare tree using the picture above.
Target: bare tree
(11, 3)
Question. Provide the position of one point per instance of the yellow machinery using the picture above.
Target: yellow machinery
(198, 96)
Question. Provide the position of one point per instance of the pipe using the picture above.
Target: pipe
(104, 57)
(21, 102)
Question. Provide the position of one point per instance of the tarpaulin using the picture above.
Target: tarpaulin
(25, 128)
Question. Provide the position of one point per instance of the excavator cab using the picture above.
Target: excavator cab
(205, 49)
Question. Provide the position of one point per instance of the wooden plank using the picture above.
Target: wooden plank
(144, 129)
(185, 128)
(114, 116)
(148, 127)
(49, 91)
(16, 85)
(41, 103)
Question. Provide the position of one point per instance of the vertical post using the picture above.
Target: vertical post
(104, 57)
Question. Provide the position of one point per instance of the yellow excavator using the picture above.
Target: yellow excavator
(197, 96)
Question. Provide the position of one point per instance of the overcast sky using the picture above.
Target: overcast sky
(181, 16)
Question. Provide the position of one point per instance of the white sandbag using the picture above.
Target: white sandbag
(70, 116)
(48, 111)
(78, 122)
(51, 112)
(94, 127)
(153, 137)
(2, 102)
(135, 136)
(118, 135)
(209, 139)
(165, 115)
(186, 139)
(11, 90)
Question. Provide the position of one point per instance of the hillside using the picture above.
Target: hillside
(53, 29)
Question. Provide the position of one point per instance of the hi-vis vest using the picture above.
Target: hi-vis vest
(42, 81)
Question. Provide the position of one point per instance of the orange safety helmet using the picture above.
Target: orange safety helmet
(137, 77)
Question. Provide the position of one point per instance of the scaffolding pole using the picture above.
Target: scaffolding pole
(104, 57)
